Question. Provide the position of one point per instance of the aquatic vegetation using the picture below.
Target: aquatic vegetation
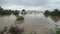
(57, 29)
(20, 18)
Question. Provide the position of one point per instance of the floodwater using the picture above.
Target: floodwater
(32, 23)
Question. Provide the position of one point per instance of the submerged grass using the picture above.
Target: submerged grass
(57, 29)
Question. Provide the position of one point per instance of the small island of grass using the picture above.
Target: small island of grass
(20, 18)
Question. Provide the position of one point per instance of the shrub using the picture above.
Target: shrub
(20, 18)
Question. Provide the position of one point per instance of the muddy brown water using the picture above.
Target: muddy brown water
(32, 23)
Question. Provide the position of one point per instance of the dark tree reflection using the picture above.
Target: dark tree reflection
(55, 18)
(19, 21)
(12, 30)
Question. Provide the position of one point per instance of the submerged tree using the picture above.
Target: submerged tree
(47, 13)
(23, 11)
(16, 12)
(56, 12)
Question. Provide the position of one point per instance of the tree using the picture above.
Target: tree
(23, 11)
(47, 13)
(56, 12)
(16, 12)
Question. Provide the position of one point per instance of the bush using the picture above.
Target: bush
(20, 18)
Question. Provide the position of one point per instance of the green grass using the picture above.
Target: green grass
(57, 30)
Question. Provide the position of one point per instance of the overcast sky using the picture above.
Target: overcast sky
(30, 4)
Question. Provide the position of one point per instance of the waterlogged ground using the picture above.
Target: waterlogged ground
(32, 23)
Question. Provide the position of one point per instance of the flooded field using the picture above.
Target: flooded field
(32, 23)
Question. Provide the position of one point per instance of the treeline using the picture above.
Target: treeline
(55, 12)
(9, 12)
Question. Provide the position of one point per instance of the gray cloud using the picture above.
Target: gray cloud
(34, 4)
(25, 2)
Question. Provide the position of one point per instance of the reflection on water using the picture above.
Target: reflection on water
(46, 15)
(55, 18)
(4, 30)
(19, 21)
(12, 30)
(36, 23)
